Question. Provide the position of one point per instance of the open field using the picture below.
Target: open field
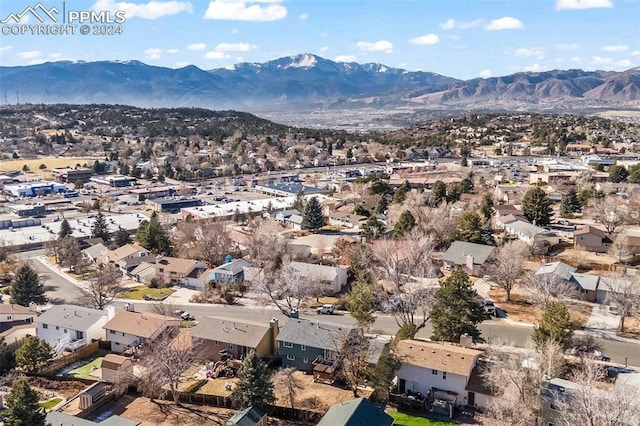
(50, 162)
(402, 419)
(139, 293)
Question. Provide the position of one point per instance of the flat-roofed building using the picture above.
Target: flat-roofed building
(70, 175)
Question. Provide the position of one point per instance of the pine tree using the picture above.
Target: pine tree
(457, 310)
(7, 357)
(121, 237)
(406, 222)
(22, 406)
(472, 230)
(487, 208)
(618, 174)
(537, 207)
(555, 325)
(313, 218)
(383, 205)
(438, 193)
(372, 228)
(65, 229)
(254, 385)
(27, 288)
(401, 193)
(100, 228)
(361, 300)
(299, 201)
(152, 236)
(570, 203)
(33, 354)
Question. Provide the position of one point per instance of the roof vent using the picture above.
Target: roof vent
(448, 354)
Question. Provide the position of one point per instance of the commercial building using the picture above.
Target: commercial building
(28, 210)
(289, 189)
(116, 181)
(69, 175)
(172, 205)
(34, 188)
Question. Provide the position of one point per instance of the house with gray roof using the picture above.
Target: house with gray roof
(229, 273)
(334, 277)
(469, 257)
(357, 412)
(593, 288)
(301, 341)
(251, 416)
(94, 252)
(57, 418)
(539, 238)
(68, 327)
(558, 269)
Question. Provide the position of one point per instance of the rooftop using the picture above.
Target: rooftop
(71, 316)
(357, 412)
(139, 324)
(437, 356)
(242, 333)
(459, 251)
(314, 334)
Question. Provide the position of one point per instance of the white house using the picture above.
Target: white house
(68, 327)
(531, 234)
(333, 276)
(129, 329)
(431, 368)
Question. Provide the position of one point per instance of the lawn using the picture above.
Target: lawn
(48, 405)
(402, 419)
(84, 371)
(143, 292)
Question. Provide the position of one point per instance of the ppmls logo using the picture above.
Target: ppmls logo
(60, 21)
(38, 11)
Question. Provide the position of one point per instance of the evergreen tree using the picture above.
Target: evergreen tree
(379, 187)
(254, 385)
(634, 174)
(121, 237)
(313, 218)
(438, 193)
(33, 354)
(22, 406)
(383, 205)
(453, 194)
(7, 357)
(372, 228)
(26, 287)
(555, 325)
(486, 208)
(152, 236)
(65, 229)
(457, 310)
(361, 300)
(570, 203)
(618, 174)
(466, 186)
(406, 222)
(537, 207)
(100, 228)
(401, 193)
(472, 230)
(299, 201)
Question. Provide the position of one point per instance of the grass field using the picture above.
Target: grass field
(48, 405)
(139, 293)
(84, 372)
(402, 419)
(50, 162)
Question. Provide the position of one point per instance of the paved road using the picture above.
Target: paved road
(58, 288)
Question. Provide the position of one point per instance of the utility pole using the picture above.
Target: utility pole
(17, 98)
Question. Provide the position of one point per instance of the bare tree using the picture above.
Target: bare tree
(544, 288)
(267, 246)
(353, 359)
(285, 379)
(164, 308)
(612, 212)
(624, 292)
(104, 286)
(209, 242)
(286, 288)
(507, 267)
(587, 403)
(164, 361)
(620, 249)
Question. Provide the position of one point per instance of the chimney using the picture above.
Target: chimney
(466, 341)
(275, 330)
(111, 312)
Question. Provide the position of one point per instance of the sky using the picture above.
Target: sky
(457, 38)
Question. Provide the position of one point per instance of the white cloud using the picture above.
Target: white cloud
(245, 10)
(151, 10)
(485, 73)
(538, 52)
(5, 48)
(427, 39)
(55, 55)
(172, 51)
(153, 53)
(504, 23)
(216, 55)
(345, 58)
(378, 46)
(303, 16)
(31, 54)
(575, 59)
(533, 68)
(569, 46)
(615, 48)
(634, 53)
(451, 24)
(582, 4)
(601, 60)
(623, 63)
(402, 65)
(234, 47)
(323, 49)
(197, 46)
(182, 64)
(608, 62)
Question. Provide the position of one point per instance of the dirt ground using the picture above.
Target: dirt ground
(315, 396)
(631, 328)
(520, 309)
(66, 389)
(50, 162)
(580, 257)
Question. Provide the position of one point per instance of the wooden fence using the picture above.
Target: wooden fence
(66, 360)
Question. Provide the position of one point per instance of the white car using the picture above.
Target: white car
(325, 309)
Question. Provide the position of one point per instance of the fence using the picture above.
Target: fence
(65, 360)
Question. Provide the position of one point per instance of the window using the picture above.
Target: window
(287, 344)
(444, 375)
(8, 317)
(112, 332)
(230, 347)
(65, 331)
(305, 360)
(434, 372)
(291, 357)
(45, 325)
(57, 328)
(161, 269)
(303, 347)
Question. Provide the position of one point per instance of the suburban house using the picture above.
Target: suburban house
(593, 288)
(284, 215)
(16, 323)
(144, 272)
(301, 341)
(129, 264)
(554, 392)
(295, 221)
(346, 220)
(469, 257)
(539, 238)
(251, 416)
(335, 277)
(69, 327)
(234, 338)
(359, 411)
(114, 367)
(589, 238)
(439, 372)
(94, 252)
(123, 254)
(229, 273)
(129, 329)
(177, 271)
(58, 418)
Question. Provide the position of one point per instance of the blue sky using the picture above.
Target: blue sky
(457, 38)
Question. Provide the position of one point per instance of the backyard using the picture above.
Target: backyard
(142, 292)
(403, 419)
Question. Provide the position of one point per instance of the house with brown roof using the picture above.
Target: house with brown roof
(438, 371)
(592, 239)
(179, 271)
(218, 336)
(114, 367)
(130, 329)
(124, 256)
(16, 322)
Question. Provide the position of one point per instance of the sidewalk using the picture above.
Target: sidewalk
(482, 287)
(59, 272)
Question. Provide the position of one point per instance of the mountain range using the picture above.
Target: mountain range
(307, 82)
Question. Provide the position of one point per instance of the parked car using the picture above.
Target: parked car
(184, 315)
(490, 307)
(325, 309)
